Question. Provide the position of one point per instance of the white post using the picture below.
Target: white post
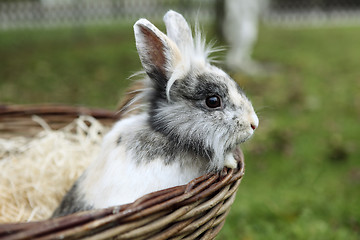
(240, 31)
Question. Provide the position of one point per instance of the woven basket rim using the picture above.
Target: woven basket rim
(7, 110)
(187, 199)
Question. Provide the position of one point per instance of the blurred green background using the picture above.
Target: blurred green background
(302, 166)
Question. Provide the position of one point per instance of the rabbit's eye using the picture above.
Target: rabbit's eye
(213, 101)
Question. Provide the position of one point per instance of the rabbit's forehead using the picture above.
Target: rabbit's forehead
(224, 85)
(236, 95)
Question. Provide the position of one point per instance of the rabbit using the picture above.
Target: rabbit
(192, 117)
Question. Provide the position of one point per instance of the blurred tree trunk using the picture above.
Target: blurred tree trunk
(219, 19)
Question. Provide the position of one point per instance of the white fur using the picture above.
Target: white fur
(179, 31)
(195, 51)
(115, 177)
(230, 161)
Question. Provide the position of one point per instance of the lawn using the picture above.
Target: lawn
(303, 164)
(82, 66)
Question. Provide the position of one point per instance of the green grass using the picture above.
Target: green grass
(303, 164)
(303, 171)
(75, 66)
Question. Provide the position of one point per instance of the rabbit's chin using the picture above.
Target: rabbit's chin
(243, 139)
(240, 141)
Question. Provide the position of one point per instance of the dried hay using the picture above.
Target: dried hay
(36, 172)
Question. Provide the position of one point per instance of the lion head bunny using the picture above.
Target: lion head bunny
(193, 115)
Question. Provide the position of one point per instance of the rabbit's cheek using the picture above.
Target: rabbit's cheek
(239, 125)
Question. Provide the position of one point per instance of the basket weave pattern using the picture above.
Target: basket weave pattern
(193, 211)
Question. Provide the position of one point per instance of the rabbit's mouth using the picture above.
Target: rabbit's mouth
(243, 139)
(240, 142)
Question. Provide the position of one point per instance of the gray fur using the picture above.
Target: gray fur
(148, 144)
(187, 123)
(71, 203)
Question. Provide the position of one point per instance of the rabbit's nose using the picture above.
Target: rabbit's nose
(254, 122)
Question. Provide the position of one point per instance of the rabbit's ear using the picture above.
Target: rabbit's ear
(178, 30)
(158, 54)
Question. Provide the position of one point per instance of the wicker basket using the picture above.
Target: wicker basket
(193, 211)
